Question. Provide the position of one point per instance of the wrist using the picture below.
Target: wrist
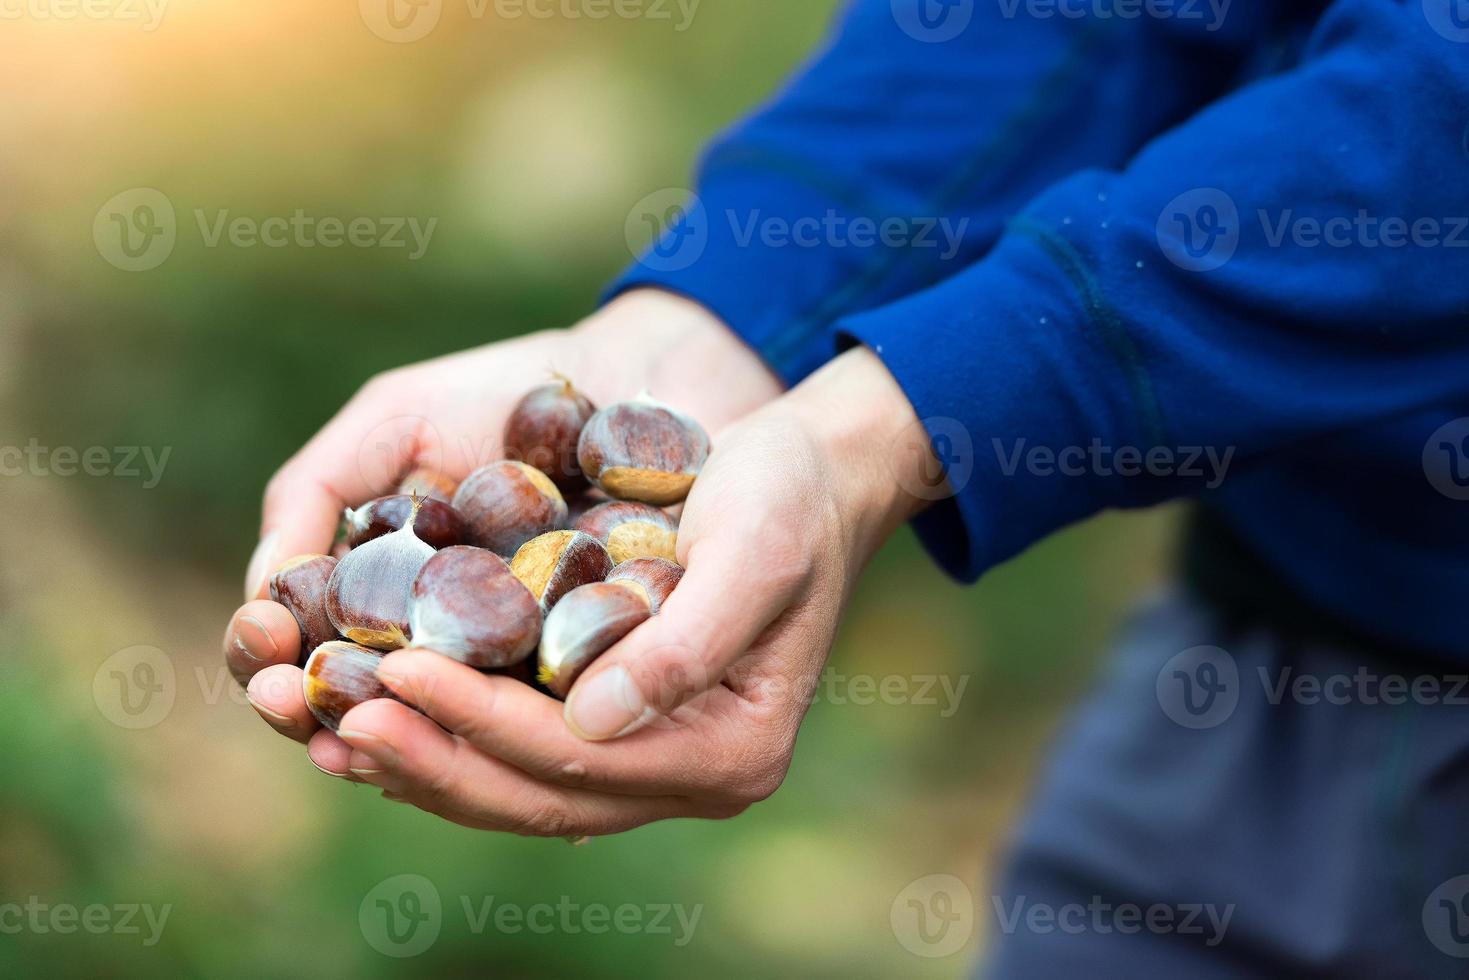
(679, 350)
(858, 412)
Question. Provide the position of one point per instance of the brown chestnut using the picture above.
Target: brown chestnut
(338, 677)
(555, 563)
(506, 504)
(584, 625)
(429, 483)
(367, 594)
(643, 450)
(438, 525)
(300, 586)
(467, 605)
(589, 620)
(631, 530)
(656, 577)
(543, 430)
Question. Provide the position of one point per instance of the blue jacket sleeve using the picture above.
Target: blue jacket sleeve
(1291, 263)
(895, 158)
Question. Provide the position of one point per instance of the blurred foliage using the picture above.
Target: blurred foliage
(529, 140)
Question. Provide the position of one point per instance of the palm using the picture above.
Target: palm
(449, 414)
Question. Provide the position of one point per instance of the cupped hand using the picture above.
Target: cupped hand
(695, 713)
(449, 414)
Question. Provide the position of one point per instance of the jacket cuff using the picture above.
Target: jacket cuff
(1013, 385)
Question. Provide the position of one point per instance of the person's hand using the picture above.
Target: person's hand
(449, 414)
(695, 713)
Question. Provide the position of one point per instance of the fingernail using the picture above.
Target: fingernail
(393, 797)
(607, 706)
(260, 564)
(371, 745)
(413, 689)
(398, 685)
(364, 765)
(266, 641)
(237, 643)
(338, 775)
(576, 841)
(277, 719)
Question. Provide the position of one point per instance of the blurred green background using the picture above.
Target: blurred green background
(529, 140)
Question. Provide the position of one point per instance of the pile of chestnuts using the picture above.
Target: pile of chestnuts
(556, 552)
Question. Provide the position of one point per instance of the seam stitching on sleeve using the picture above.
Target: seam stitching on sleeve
(1105, 317)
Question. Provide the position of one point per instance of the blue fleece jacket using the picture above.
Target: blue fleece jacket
(1119, 251)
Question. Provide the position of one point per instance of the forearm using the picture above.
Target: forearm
(892, 162)
(1092, 324)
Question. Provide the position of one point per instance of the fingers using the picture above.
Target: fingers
(410, 756)
(360, 454)
(685, 650)
(275, 694)
(515, 723)
(331, 755)
(260, 634)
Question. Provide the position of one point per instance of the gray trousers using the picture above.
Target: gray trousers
(1229, 803)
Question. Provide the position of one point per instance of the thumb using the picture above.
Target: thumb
(726, 599)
